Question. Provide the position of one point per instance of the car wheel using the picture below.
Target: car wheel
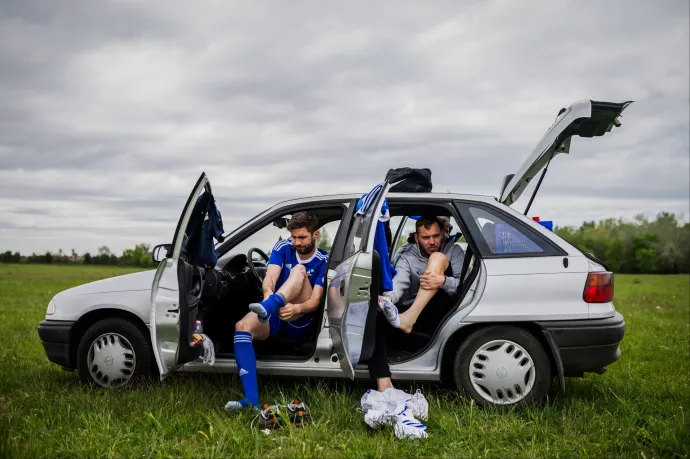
(503, 366)
(113, 352)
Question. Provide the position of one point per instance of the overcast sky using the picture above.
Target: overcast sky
(110, 111)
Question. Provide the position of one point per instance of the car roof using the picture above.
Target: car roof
(395, 195)
(335, 198)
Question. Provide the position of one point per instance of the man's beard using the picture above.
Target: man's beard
(306, 249)
(424, 252)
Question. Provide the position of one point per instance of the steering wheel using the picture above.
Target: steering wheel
(252, 268)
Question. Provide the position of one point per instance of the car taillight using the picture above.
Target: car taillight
(599, 287)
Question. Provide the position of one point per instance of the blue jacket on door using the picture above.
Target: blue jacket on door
(205, 225)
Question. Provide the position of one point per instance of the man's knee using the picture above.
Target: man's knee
(242, 326)
(298, 272)
(438, 256)
(250, 324)
(438, 259)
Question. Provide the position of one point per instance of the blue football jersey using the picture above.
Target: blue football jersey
(285, 256)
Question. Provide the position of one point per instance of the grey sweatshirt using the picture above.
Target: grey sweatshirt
(411, 264)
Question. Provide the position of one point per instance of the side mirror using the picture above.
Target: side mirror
(161, 252)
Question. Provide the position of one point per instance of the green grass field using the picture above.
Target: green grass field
(638, 408)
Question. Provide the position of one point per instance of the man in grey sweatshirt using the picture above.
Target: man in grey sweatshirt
(428, 276)
(430, 263)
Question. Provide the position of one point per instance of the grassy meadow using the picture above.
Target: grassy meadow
(637, 409)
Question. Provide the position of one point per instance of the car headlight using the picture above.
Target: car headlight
(51, 308)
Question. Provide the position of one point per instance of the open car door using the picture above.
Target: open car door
(176, 292)
(353, 292)
(586, 118)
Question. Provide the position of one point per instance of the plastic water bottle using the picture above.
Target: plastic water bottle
(197, 335)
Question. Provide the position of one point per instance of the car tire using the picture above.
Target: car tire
(503, 366)
(113, 353)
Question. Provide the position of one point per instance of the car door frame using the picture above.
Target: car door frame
(250, 227)
(448, 203)
(166, 293)
(351, 304)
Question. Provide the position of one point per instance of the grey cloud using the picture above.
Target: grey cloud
(115, 108)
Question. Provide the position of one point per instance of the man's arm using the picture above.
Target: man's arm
(294, 311)
(401, 280)
(457, 256)
(269, 284)
(312, 304)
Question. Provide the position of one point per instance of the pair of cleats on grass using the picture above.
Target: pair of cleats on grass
(270, 416)
(270, 306)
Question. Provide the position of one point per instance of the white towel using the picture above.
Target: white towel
(397, 408)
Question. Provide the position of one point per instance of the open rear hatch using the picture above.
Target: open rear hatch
(586, 118)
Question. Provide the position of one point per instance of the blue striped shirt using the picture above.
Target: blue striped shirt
(285, 256)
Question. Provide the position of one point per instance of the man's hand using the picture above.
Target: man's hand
(431, 281)
(290, 312)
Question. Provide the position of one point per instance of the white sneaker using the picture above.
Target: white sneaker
(376, 418)
(407, 426)
(390, 311)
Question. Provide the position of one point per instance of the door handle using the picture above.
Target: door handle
(342, 288)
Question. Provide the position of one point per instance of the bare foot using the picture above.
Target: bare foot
(383, 384)
(405, 323)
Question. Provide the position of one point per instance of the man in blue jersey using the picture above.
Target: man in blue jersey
(292, 290)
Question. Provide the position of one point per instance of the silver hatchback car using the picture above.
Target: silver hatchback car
(530, 307)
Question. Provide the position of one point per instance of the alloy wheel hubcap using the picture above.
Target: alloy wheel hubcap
(111, 360)
(502, 372)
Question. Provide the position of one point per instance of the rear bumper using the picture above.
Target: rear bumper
(587, 345)
(55, 337)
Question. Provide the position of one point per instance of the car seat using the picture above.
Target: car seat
(489, 233)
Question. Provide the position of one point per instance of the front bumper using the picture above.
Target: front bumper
(587, 345)
(55, 337)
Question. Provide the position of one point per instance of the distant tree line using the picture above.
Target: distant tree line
(139, 256)
(661, 246)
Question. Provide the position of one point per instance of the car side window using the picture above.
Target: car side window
(263, 239)
(504, 237)
(406, 235)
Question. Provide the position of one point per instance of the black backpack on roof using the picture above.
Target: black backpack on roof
(413, 180)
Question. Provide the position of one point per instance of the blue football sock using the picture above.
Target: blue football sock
(268, 307)
(246, 364)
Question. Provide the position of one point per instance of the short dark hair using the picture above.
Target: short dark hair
(303, 220)
(427, 222)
